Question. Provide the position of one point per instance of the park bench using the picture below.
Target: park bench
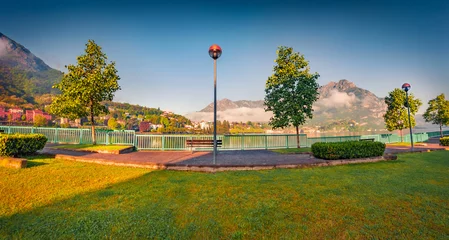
(367, 139)
(202, 143)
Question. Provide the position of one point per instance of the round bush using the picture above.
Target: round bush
(347, 150)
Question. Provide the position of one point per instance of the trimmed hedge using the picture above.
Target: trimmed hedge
(444, 141)
(21, 144)
(347, 150)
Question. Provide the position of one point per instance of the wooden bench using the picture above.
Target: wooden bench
(367, 139)
(205, 143)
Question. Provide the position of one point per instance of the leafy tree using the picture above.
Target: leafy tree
(85, 86)
(291, 90)
(113, 124)
(438, 112)
(396, 117)
(164, 121)
(40, 121)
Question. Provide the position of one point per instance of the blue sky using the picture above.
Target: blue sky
(161, 47)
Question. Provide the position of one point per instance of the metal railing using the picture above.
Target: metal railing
(178, 142)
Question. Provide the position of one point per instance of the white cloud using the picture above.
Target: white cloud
(336, 99)
(233, 115)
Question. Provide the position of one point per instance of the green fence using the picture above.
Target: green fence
(178, 142)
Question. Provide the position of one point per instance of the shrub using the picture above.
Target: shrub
(444, 141)
(21, 144)
(347, 150)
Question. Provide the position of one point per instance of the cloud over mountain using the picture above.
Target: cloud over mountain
(242, 114)
(338, 100)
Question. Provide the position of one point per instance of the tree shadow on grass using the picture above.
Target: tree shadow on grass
(139, 208)
(35, 160)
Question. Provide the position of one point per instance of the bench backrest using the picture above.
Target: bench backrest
(202, 142)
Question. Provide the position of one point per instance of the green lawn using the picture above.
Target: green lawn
(403, 199)
(405, 144)
(293, 150)
(91, 147)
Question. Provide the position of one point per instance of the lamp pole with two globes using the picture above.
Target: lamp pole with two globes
(215, 53)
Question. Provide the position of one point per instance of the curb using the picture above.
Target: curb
(108, 162)
(121, 151)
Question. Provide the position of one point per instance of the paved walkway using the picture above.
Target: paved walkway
(186, 160)
(162, 159)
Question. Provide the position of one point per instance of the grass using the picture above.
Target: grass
(403, 199)
(91, 147)
(293, 150)
(405, 144)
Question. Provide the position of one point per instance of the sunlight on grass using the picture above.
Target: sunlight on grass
(293, 150)
(403, 199)
(46, 180)
(91, 147)
(405, 144)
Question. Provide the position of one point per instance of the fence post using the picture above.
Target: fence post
(243, 142)
(32, 129)
(163, 142)
(135, 141)
(107, 138)
(266, 142)
(55, 139)
(286, 136)
(9, 129)
(81, 136)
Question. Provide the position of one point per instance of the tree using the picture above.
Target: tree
(113, 124)
(291, 90)
(85, 86)
(396, 117)
(40, 121)
(438, 112)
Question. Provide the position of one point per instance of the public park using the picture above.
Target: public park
(105, 139)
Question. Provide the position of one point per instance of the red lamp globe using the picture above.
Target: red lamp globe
(215, 51)
(406, 87)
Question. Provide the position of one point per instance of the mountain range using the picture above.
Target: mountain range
(23, 76)
(338, 101)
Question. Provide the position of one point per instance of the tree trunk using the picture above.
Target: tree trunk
(297, 136)
(94, 139)
(441, 130)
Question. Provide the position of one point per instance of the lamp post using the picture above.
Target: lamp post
(406, 87)
(215, 53)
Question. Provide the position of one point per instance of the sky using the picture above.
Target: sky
(161, 47)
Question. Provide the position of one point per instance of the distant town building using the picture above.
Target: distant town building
(32, 114)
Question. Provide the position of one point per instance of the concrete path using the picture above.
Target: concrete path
(161, 159)
(230, 160)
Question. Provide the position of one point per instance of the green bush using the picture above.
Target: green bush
(21, 144)
(347, 150)
(444, 141)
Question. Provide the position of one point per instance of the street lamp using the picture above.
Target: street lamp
(406, 87)
(215, 53)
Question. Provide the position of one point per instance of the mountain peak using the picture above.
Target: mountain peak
(13, 54)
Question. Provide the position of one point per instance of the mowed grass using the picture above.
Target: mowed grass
(405, 144)
(91, 147)
(403, 199)
(293, 150)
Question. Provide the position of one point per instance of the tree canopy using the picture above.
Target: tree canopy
(291, 90)
(85, 86)
(396, 117)
(438, 112)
